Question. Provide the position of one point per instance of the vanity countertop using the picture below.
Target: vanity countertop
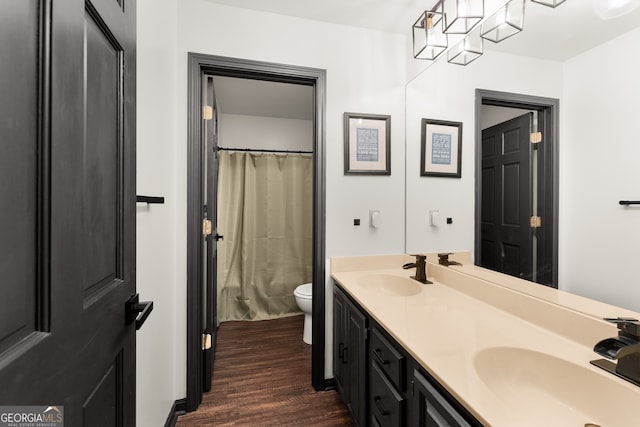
(514, 354)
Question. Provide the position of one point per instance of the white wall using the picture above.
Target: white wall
(272, 133)
(600, 165)
(365, 73)
(159, 378)
(447, 92)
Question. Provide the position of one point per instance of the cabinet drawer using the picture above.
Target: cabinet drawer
(433, 408)
(390, 360)
(387, 405)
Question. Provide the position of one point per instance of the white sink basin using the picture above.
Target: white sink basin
(392, 285)
(546, 390)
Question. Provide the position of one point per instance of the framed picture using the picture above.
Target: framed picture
(367, 144)
(441, 149)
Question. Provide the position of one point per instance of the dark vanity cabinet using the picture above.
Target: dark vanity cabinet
(382, 385)
(350, 354)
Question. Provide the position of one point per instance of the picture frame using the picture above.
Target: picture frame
(367, 144)
(441, 148)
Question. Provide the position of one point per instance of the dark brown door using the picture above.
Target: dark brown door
(67, 221)
(506, 237)
(210, 239)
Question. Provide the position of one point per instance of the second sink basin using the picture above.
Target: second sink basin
(546, 390)
(392, 285)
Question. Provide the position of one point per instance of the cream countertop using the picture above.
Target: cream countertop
(511, 358)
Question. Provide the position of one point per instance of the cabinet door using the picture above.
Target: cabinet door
(356, 359)
(431, 408)
(339, 341)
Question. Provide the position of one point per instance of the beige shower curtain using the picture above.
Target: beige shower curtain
(265, 215)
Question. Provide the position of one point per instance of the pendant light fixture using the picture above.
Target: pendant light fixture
(460, 16)
(468, 50)
(430, 31)
(429, 39)
(506, 22)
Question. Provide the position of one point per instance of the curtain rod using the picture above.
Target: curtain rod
(264, 150)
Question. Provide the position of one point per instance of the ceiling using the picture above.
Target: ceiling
(549, 33)
(557, 34)
(262, 98)
(565, 31)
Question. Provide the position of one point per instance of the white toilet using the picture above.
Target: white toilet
(303, 295)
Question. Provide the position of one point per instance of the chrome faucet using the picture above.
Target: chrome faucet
(625, 349)
(421, 269)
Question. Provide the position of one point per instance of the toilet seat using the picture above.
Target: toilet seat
(304, 291)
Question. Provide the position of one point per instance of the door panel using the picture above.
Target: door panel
(18, 184)
(67, 178)
(103, 196)
(511, 191)
(511, 140)
(488, 195)
(101, 408)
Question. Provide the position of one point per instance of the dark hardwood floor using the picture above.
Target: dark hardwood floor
(262, 377)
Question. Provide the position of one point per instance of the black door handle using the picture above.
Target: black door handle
(219, 237)
(136, 311)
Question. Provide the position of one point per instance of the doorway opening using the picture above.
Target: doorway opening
(264, 193)
(516, 206)
(201, 249)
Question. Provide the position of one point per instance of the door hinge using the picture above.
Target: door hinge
(536, 222)
(536, 137)
(206, 341)
(206, 227)
(207, 112)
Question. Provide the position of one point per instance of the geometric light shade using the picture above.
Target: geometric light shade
(468, 50)
(506, 22)
(550, 3)
(460, 16)
(429, 39)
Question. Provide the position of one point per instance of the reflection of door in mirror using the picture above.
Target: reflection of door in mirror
(506, 240)
(516, 220)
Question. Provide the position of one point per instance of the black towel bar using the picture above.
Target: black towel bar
(629, 202)
(149, 199)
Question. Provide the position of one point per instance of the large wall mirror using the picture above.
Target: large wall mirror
(591, 67)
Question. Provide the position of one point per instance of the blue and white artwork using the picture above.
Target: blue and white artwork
(441, 149)
(367, 145)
